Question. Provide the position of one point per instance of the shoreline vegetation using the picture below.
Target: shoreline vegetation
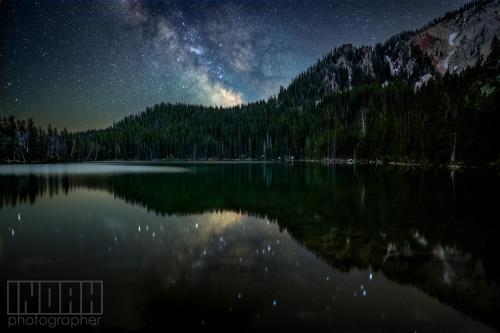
(325, 161)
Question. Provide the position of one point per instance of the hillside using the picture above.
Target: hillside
(450, 44)
(461, 38)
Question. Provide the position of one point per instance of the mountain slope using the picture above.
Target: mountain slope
(458, 40)
(461, 38)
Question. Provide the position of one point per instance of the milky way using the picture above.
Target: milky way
(85, 64)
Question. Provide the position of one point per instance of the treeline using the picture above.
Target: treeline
(451, 119)
(23, 141)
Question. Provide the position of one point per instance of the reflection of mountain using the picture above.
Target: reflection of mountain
(424, 229)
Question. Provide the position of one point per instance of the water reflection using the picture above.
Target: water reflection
(86, 169)
(253, 244)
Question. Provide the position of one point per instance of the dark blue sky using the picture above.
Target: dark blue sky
(85, 64)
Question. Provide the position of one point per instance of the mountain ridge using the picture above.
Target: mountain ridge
(451, 43)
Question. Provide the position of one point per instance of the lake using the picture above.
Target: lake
(261, 245)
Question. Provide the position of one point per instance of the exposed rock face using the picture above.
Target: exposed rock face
(458, 40)
(462, 38)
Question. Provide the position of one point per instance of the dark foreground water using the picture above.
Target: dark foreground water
(261, 246)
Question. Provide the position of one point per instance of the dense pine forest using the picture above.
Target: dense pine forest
(450, 119)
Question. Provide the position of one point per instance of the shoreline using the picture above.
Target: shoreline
(325, 161)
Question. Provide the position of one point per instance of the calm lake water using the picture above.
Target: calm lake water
(261, 246)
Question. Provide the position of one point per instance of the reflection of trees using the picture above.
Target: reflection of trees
(27, 189)
(348, 217)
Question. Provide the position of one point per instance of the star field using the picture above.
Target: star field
(85, 64)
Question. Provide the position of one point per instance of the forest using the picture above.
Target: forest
(449, 120)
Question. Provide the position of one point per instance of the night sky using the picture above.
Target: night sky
(84, 64)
